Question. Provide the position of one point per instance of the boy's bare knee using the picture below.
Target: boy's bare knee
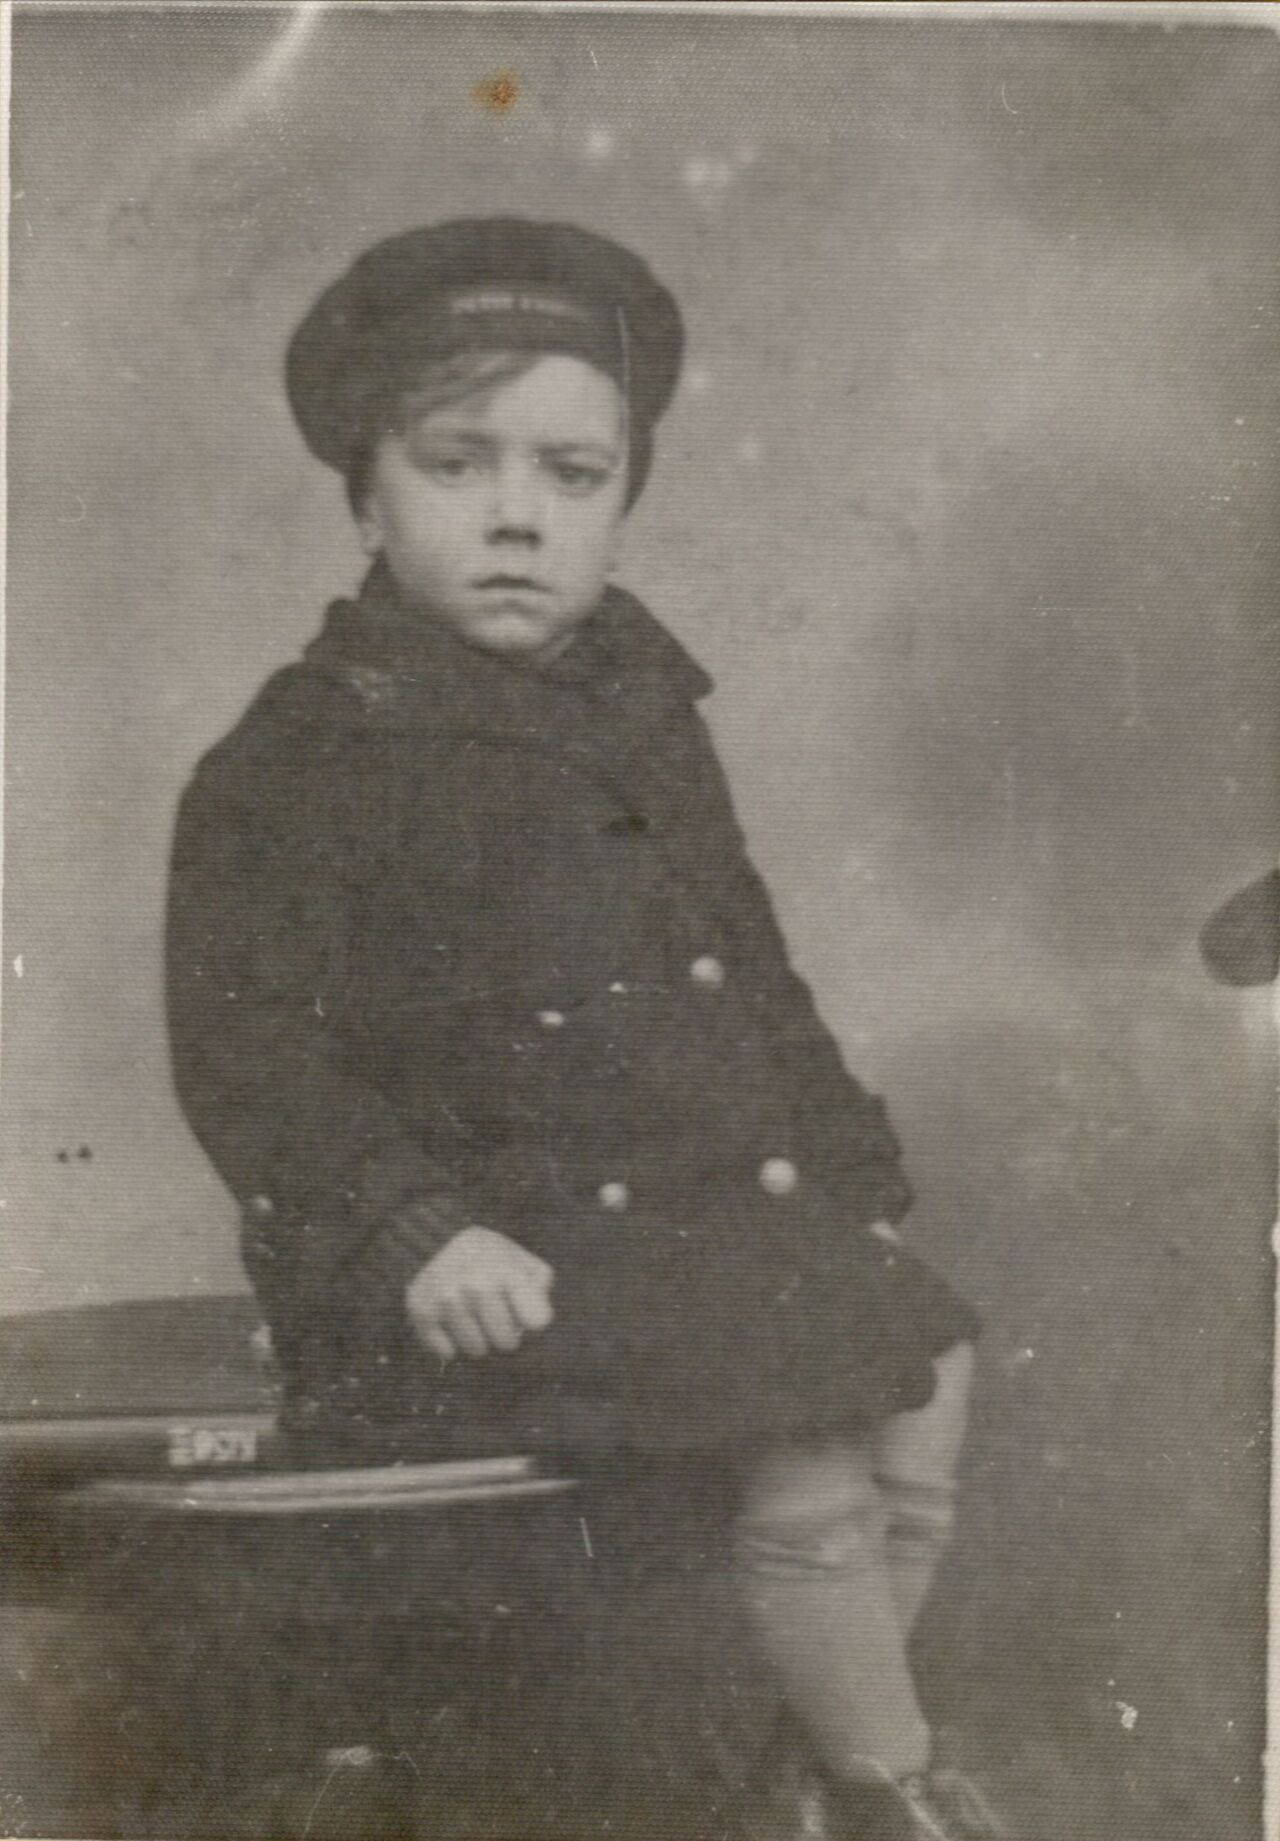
(801, 1482)
(924, 1446)
(954, 1369)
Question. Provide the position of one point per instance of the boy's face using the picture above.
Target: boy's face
(499, 514)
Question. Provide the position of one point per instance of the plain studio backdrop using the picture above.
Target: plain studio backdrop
(968, 501)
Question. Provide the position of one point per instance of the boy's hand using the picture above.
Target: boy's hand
(480, 1293)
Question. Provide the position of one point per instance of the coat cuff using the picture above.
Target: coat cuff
(413, 1234)
(408, 1215)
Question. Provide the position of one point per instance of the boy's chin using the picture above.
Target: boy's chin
(516, 635)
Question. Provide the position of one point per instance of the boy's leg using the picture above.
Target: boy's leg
(810, 1554)
(916, 1455)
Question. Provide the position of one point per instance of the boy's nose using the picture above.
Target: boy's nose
(515, 508)
(526, 535)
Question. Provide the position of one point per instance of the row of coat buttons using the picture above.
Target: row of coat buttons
(776, 1176)
(708, 971)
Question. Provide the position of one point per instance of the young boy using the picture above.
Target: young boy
(480, 1009)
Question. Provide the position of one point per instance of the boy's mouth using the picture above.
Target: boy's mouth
(524, 584)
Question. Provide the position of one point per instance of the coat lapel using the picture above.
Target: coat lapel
(623, 677)
(617, 705)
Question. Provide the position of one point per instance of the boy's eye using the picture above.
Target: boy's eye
(452, 469)
(577, 476)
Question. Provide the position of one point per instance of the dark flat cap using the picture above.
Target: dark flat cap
(481, 284)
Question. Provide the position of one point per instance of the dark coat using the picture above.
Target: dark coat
(446, 927)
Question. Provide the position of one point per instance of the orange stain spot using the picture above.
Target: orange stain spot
(496, 94)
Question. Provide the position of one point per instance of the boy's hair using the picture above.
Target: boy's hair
(437, 385)
(442, 383)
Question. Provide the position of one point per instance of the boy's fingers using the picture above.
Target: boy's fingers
(538, 1268)
(497, 1319)
(438, 1340)
(532, 1306)
(464, 1328)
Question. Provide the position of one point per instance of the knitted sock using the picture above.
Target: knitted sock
(818, 1593)
(920, 1519)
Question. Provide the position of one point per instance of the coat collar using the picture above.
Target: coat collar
(408, 671)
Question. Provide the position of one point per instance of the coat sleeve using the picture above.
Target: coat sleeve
(321, 1163)
(841, 1130)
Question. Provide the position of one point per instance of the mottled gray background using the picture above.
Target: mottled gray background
(968, 501)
